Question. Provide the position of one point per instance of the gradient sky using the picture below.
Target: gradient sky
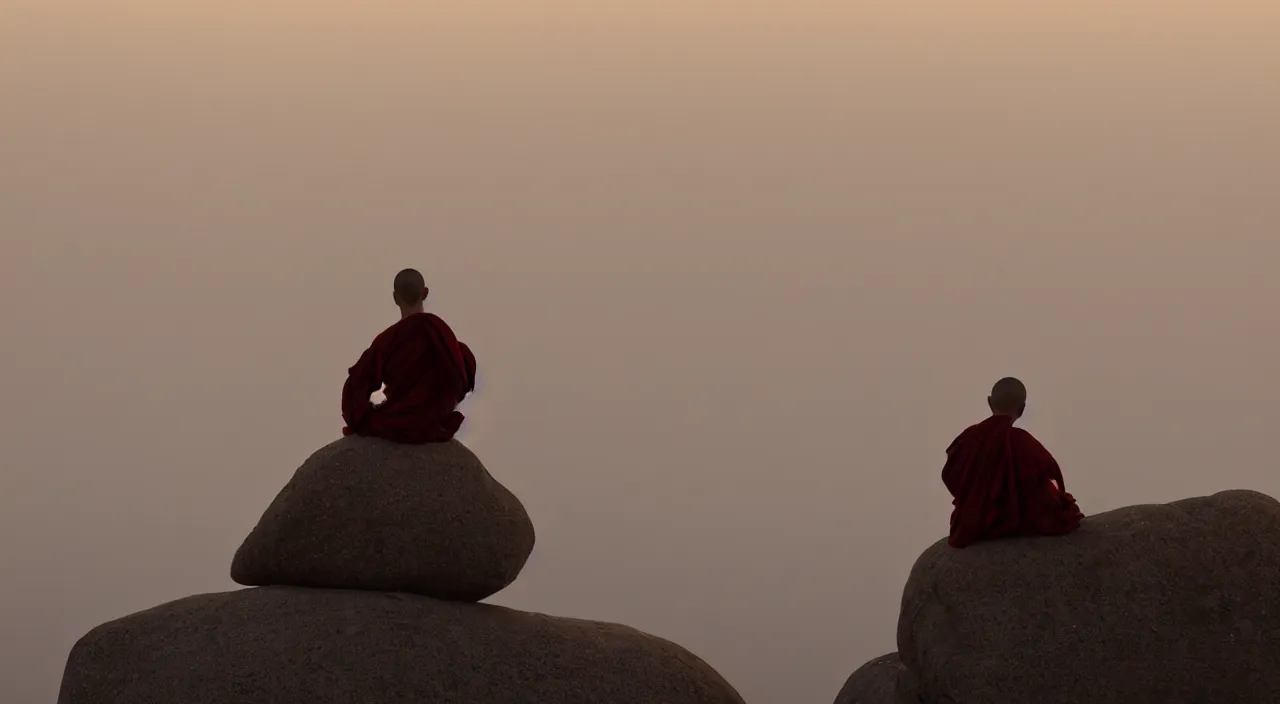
(736, 273)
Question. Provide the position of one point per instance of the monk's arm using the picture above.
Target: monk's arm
(364, 378)
(469, 364)
(1049, 466)
(1035, 458)
(463, 360)
(953, 471)
(951, 475)
(1054, 511)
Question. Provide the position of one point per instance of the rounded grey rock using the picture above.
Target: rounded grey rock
(1154, 604)
(287, 645)
(363, 513)
(881, 681)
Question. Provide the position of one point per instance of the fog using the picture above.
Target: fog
(735, 274)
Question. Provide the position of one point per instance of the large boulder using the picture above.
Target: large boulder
(882, 681)
(1151, 604)
(363, 513)
(283, 645)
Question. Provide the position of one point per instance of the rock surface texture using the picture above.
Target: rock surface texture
(364, 513)
(289, 645)
(372, 558)
(882, 681)
(1158, 604)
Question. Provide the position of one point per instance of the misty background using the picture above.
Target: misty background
(735, 274)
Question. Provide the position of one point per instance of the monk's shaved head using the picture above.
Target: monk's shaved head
(1008, 397)
(409, 287)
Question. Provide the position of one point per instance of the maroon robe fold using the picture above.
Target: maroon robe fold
(1005, 483)
(427, 373)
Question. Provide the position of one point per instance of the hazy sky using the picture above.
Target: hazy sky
(736, 273)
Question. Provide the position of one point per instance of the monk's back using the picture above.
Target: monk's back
(1031, 459)
(1003, 481)
(419, 364)
(422, 368)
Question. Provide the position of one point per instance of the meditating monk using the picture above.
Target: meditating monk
(425, 369)
(1005, 483)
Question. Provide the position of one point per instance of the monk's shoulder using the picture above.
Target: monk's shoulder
(1024, 440)
(388, 334)
(438, 323)
(1020, 435)
(434, 319)
(963, 437)
(383, 339)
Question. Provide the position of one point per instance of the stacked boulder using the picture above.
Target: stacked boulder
(376, 516)
(1155, 604)
(366, 572)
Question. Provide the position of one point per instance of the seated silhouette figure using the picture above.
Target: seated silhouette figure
(1004, 482)
(422, 369)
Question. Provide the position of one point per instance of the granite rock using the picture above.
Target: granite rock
(363, 513)
(1159, 604)
(288, 645)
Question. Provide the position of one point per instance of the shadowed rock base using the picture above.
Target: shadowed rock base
(282, 645)
(881, 681)
(1155, 604)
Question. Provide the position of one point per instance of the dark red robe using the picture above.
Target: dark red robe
(1005, 483)
(427, 373)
